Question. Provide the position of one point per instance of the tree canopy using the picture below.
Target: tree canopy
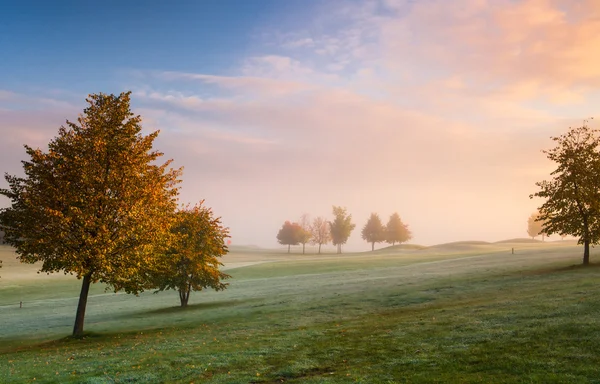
(97, 204)
(535, 226)
(396, 230)
(320, 233)
(289, 234)
(341, 227)
(191, 261)
(305, 234)
(373, 231)
(572, 196)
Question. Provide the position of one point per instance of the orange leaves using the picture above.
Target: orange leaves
(191, 263)
(96, 201)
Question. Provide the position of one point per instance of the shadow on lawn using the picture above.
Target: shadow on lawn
(548, 271)
(196, 307)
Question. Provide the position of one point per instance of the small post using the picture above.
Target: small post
(21, 304)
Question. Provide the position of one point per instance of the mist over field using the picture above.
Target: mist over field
(436, 110)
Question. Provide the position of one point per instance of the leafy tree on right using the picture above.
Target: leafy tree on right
(374, 231)
(572, 197)
(397, 231)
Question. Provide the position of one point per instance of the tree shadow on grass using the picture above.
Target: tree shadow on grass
(551, 270)
(193, 307)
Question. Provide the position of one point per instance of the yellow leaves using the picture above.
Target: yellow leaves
(97, 199)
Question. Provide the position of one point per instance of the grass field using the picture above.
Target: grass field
(461, 312)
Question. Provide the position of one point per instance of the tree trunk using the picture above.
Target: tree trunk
(303, 245)
(372, 246)
(288, 248)
(586, 252)
(319, 248)
(83, 296)
(184, 297)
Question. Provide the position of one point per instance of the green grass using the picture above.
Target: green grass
(438, 314)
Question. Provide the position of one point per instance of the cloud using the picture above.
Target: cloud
(244, 84)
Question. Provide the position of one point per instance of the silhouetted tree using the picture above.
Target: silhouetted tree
(341, 227)
(396, 231)
(97, 204)
(289, 234)
(374, 231)
(191, 261)
(572, 197)
(320, 232)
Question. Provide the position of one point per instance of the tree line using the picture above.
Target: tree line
(320, 231)
(99, 204)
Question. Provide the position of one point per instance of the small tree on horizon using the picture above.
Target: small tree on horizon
(320, 232)
(535, 226)
(572, 196)
(305, 234)
(396, 230)
(289, 234)
(373, 231)
(341, 227)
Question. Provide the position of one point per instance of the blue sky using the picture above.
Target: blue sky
(433, 109)
(83, 44)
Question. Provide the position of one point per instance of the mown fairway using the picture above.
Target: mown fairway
(463, 312)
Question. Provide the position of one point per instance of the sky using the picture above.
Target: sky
(437, 110)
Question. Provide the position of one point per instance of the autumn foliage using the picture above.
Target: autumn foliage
(192, 259)
(97, 204)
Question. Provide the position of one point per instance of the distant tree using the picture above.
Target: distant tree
(289, 234)
(305, 234)
(572, 197)
(535, 226)
(320, 232)
(341, 227)
(374, 231)
(396, 231)
(97, 204)
(191, 262)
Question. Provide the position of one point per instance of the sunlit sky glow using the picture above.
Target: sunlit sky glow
(434, 109)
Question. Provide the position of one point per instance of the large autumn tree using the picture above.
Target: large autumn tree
(396, 231)
(373, 231)
(191, 261)
(96, 204)
(289, 234)
(572, 196)
(320, 233)
(341, 227)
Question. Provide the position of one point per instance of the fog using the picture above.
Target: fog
(421, 110)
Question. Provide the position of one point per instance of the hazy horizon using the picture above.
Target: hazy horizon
(435, 110)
